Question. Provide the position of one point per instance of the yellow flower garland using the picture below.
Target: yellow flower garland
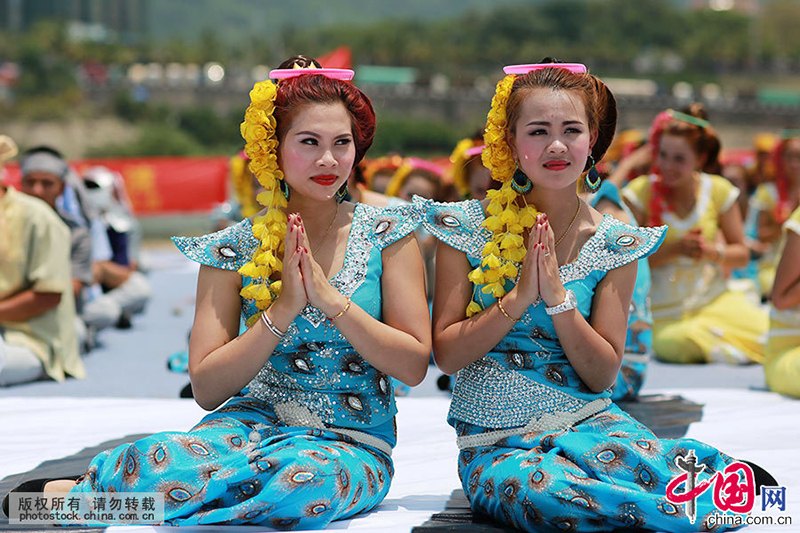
(506, 220)
(258, 131)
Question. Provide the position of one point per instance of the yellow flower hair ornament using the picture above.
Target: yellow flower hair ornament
(258, 131)
(506, 219)
(464, 151)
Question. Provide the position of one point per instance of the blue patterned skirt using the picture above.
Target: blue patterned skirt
(604, 473)
(239, 465)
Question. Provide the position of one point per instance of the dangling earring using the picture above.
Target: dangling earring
(342, 193)
(520, 182)
(284, 189)
(593, 180)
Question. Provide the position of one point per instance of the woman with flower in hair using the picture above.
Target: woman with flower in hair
(532, 294)
(697, 319)
(332, 295)
(775, 201)
(471, 179)
(416, 177)
(379, 172)
(782, 364)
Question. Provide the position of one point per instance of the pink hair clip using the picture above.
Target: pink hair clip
(333, 73)
(475, 150)
(577, 68)
(423, 164)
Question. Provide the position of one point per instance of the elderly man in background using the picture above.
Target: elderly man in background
(110, 289)
(37, 309)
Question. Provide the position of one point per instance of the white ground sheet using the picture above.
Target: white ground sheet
(758, 426)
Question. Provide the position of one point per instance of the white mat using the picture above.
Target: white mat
(762, 427)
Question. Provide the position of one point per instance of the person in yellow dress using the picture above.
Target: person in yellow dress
(782, 365)
(696, 318)
(775, 200)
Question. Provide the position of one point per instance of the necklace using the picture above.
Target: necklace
(574, 218)
(324, 235)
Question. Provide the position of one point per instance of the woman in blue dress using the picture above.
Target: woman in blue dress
(531, 304)
(333, 296)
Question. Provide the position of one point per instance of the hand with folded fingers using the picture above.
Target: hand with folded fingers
(321, 294)
(550, 287)
(293, 297)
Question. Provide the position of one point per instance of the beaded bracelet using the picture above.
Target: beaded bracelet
(343, 311)
(502, 310)
(272, 327)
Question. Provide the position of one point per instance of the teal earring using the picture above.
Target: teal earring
(593, 180)
(342, 193)
(284, 189)
(520, 182)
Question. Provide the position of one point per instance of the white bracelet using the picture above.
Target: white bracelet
(720, 252)
(270, 326)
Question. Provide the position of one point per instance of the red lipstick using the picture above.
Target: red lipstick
(556, 165)
(325, 179)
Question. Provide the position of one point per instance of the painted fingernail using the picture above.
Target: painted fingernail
(546, 225)
(305, 249)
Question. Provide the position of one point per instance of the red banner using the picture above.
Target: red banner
(162, 185)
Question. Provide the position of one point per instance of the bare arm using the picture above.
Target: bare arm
(110, 274)
(786, 290)
(222, 362)
(595, 348)
(28, 304)
(638, 160)
(734, 253)
(769, 230)
(457, 340)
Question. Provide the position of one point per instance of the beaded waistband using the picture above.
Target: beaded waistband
(294, 414)
(547, 422)
(490, 395)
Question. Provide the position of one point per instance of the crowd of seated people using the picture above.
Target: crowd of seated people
(88, 220)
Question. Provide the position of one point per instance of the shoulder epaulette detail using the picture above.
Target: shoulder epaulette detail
(613, 245)
(229, 249)
(387, 225)
(457, 224)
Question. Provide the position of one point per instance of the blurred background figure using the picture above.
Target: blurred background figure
(467, 173)
(378, 172)
(44, 175)
(416, 177)
(782, 365)
(37, 310)
(628, 156)
(243, 188)
(763, 169)
(358, 191)
(697, 319)
(775, 200)
(118, 278)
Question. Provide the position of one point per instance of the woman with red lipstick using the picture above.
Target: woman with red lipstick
(332, 294)
(532, 293)
(696, 318)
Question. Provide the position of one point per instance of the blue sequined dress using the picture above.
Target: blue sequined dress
(539, 450)
(309, 439)
(639, 342)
